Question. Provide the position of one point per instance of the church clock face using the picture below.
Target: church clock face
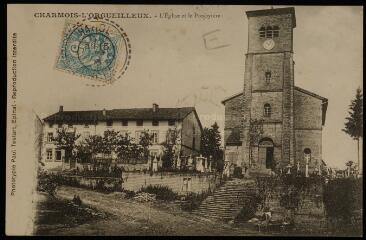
(268, 44)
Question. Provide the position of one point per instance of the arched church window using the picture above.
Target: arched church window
(267, 110)
(267, 75)
(276, 31)
(262, 32)
(307, 151)
(307, 155)
(269, 32)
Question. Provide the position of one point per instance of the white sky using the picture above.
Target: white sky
(171, 66)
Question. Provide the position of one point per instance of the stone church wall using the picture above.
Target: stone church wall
(233, 116)
(259, 158)
(308, 139)
(283, 42)
(261, 98)
(267, 62)
(308, 111)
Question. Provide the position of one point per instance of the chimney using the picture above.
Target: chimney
(104, 112)
(61, 109)
(155, 107)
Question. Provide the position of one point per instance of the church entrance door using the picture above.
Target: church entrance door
(266, 148)
(269, 157)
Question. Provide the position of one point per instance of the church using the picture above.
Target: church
(272, 123)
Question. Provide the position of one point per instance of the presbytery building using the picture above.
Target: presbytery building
(157, 121)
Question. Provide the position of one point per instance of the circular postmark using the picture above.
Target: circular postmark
(96, 49)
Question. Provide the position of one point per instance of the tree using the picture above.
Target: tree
(145, 142)
(95, 144)
(87, 149)
(354, 123)
(170, 148)
(255, 134)
(110, 140)
(83, 153)
(123, 148)
(210, 144)
(66, 140)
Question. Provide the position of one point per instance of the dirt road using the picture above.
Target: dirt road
(134, 218)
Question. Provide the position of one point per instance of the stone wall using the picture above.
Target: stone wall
(197, 182)
(191, 135)
(308, 111)
(311, 212)
(246, 109)
(233, 117)
(272, 98)
(233, 154)
(283, 42)
(288, 134)
(311, 139)
(267, 62)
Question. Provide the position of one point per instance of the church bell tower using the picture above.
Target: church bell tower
(269, 88)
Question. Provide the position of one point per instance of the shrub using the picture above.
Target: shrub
(248, 211)
(194, 200)
(47, 183)
(76, 200)
(342, 197)
(162, 192)
(129, 194)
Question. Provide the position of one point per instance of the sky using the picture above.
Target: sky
(171, 66)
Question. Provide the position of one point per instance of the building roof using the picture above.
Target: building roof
(232, 97)
(323, 99)
(274, 11)
(311, 94)
(123, 114)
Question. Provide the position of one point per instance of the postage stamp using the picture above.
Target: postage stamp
(97, 49)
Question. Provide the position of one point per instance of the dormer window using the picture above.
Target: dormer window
(269, 32)
(267, 75)
(267, 110)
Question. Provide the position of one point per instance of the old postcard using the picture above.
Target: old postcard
(184, 120)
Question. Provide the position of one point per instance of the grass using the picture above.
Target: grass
(55, 213)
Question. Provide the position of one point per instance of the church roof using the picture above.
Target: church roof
(231, 97)
(311, 94)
